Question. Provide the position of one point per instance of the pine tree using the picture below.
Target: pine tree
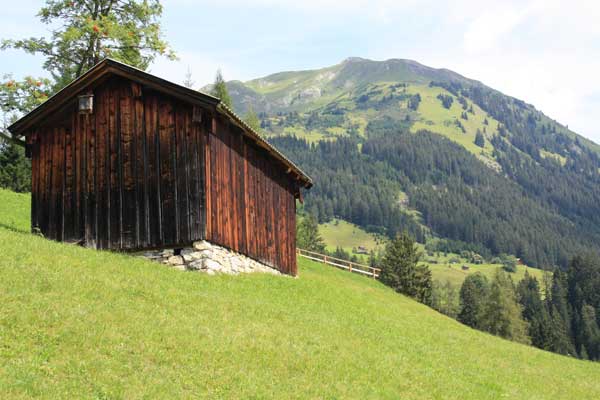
(400, 270)
(14, 168)
(502, 313)
(479, 139)
(252, 119)
(308, 236)
(220, 91)
(535, 312)
(445, 298)
(188, 82)
(583, 282)
(560, 315)
(473, 294)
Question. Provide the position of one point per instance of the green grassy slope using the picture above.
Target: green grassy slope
(77, 323)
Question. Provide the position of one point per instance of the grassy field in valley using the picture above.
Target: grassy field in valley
(339, 233)
(454, 273)
(84, 324)
(349, 236)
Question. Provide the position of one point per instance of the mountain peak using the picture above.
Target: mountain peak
(350, 60)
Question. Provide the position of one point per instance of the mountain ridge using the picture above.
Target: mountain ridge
(363, 104)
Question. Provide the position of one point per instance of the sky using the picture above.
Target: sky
(546, 53)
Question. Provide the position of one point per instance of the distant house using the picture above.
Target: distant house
(124, 160)
(362, 250)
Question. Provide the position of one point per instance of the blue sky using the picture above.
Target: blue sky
(544, 52)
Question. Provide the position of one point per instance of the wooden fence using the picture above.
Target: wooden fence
(339, 263)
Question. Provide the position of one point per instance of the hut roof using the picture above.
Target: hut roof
(109, 67)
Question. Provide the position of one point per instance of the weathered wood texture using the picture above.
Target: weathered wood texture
(250, 199)
(128, 176)
(146, 170)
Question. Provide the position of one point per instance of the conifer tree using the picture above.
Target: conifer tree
(308, 236)
(535, 312)
(14, 168)
(560, 315)
(400, 269)
(479, 139)
(220, 91)
(188, 82)
(252, 119)
(502, 313)
(473, 295)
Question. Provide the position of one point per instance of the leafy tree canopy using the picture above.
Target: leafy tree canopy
(87, 31)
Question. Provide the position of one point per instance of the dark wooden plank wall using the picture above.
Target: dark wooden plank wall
(250, 200)
(128, 176)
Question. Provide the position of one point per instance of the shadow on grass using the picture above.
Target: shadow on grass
(13, 228)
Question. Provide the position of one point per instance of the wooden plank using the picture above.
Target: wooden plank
(47, 166)
(78, 195)
(153, 178)
(100, 170)
(182, 165)
(114, 209)
(83, 128)
(127, 164)
(208, 182)
(70, 211)
(166, 148)
(43, 185)
(35, 158)
(60, 189)
(195, 150)
(52, 184)
(141, 170)
(90, 154)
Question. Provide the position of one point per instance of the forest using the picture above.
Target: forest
(458, 197)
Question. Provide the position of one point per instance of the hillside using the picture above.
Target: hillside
(475, 165)
(77, 323)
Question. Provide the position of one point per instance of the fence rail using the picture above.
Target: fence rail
(339, 263)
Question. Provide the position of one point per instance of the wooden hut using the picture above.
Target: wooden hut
(124, 160)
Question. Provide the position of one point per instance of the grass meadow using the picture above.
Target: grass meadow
(84, 324)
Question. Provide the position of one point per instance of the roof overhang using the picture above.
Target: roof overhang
(112, 67)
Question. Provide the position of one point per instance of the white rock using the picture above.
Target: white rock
(175, 260)
(202, 245)
(209, 258)
(212, 265)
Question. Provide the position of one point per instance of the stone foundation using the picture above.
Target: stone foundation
(209, 258)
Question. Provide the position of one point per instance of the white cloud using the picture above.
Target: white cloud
(544, 52)
(487, 29)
